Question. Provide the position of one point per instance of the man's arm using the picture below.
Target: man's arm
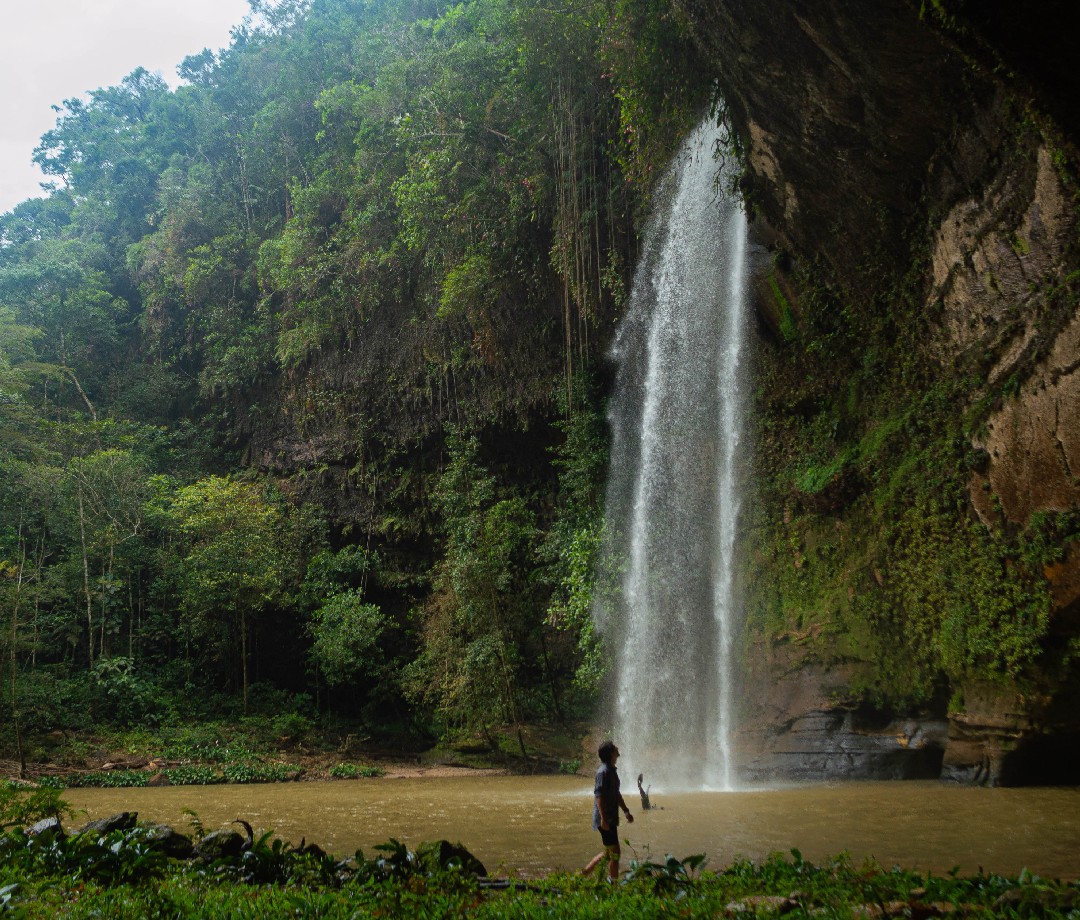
(603, 814)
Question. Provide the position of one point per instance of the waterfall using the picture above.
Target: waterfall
(674, 484)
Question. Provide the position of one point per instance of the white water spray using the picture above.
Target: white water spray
(674, 485)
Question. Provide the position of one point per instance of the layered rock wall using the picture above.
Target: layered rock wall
(878, 147)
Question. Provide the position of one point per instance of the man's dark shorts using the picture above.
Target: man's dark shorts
(610, 837)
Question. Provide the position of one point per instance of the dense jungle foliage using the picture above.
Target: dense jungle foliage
(300, 398)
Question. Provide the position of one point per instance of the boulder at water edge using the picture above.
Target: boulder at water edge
(437, 855)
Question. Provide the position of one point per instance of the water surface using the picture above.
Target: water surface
(535, 825)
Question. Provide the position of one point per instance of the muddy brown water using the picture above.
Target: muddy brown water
(535, 825)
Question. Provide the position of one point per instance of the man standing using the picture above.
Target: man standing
(607, 800)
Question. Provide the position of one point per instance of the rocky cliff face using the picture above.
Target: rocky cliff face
(883, 150)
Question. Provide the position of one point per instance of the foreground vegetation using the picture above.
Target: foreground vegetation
(119, 876)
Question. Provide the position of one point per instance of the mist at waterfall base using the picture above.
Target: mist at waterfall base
(674, 483)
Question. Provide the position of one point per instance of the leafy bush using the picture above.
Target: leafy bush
(266, 699)
(22, 805)
(345, 771)
(50, 700)
(292, 727)
(193, 776)
(120, 857)
(672, 874)
(212, 742)
(120, 695)
(345, 635)
(108, 779)
(259, 773)
(352, 771)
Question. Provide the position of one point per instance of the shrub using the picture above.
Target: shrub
(345, 771)
(259, 773)
(193, 776)
(22, 805)
(213, 742)
(352, 771)
(292, 727)
(108, 779)
(50, 700)
(120, 695)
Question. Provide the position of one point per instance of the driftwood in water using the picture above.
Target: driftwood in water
(643, 792)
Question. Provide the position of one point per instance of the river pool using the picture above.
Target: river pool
(533, 825)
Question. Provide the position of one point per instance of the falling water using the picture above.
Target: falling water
(674, 485)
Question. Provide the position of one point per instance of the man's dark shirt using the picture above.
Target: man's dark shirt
(606, 788)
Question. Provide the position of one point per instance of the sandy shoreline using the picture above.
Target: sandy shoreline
(9, 771)
(413, 771)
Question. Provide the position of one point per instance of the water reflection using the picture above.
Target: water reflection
(535, 825)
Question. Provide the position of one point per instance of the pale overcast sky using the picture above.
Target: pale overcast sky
(52, 50)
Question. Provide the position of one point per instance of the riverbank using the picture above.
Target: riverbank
(309, 768)
(253, 751)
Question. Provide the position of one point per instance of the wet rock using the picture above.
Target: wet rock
(1007, 737)
(311, 849)
(437, 855)
(222, 844)
(826, 744)
(874, 911)
(46, 828)
(798, 728)
(124, 821)
(983, 733)
(771, 903)
(838, 144)
(1032, 901)
(170, 841)
(1033, 440)
(137, 764)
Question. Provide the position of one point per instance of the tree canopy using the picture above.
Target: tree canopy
(286, 353)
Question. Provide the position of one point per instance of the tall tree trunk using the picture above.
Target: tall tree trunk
(511, 697)
(37, 599)
(243, 655)
(554, 684)
(102, 653)
(14, 660)
(131, 621)
(86, 582)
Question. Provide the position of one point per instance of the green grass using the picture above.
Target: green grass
(676, 888)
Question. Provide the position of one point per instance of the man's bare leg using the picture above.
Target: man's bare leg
(594, 862)
(613, 854)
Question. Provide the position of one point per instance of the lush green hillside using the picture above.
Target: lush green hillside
(300, 368)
